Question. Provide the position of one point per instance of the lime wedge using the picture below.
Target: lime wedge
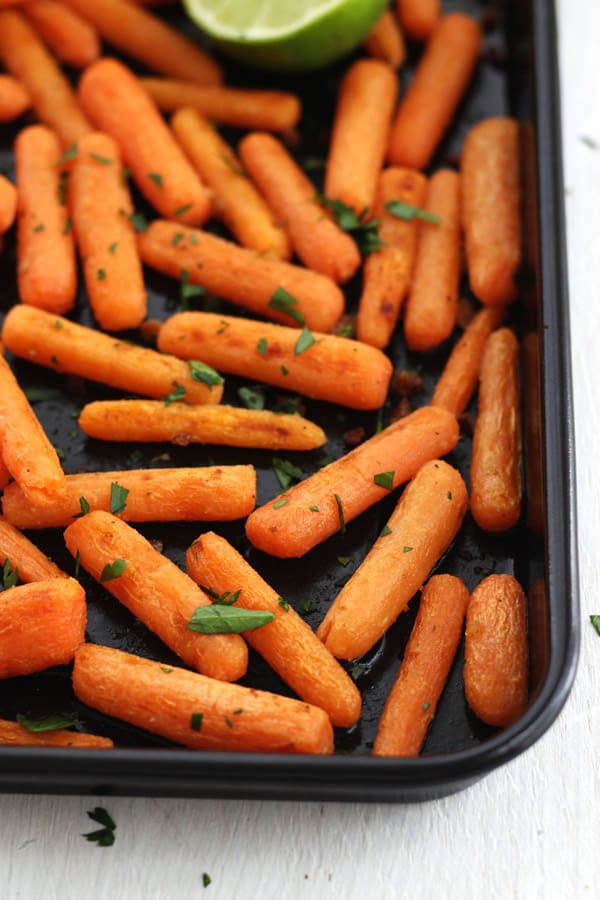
(286, 35)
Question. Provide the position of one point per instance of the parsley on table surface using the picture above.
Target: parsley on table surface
(595, 620)
(105, 836)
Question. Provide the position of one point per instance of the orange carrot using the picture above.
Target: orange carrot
(533, 430)
(360, 133)
(236, 201)
(211, 493)
(4, 475)
(242, 276)
(386, 40)
(431, 648)
(431, 307)
(64, 346)
(70, 38)
(30, 562)
(196, 711)
(41, 625)
(317, 240)
(287, 643)
(318, 365)
(388, 271)
(14, 98)
(418, 17)
(308, 513)
(433, 95)
(420, 530)
(155, 590)
(14, 735)
(117, 104)
(101, 208)
(495, 670)
(8, 204)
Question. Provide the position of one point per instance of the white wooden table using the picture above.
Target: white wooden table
(530, 830)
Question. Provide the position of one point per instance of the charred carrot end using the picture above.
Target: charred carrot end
(420, 530)
(8, 204)
(31, 564)
(496, 457)
(14, 98)
(308, 513)
(196, 711)
(491, 209)
(386, 40)
(496, 651)
(418, 17)
(71, 39)
(14, 735)
(41, 625)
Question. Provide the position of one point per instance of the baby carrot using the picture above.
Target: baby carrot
(101, 207)
(287, 643)
(236, 201)
(495, 670)
(270, 287)
(41, 625)
(211, 493)
(431, 648)
(64, 346)
(8, 204)
(318, 365)
(418, 18)
(388, 271)
(308, 513)
(14, 735)
(4, 475)
(436, 90)
(360, 134)
(116, 102)
(431, 306)
(46, 268)
(71, 38)
(385, 41)
(491, 209)
(496, 457)
(30, 562)
(149, 420)
(196, 711)
(420, 530)
(14, 98)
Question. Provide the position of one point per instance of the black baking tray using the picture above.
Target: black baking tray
(518, 76)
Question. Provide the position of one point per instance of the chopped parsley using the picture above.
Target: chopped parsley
(252, 399)
(112, 247)
(85, 506)
(356, 671)
(69, 154)
(425, 707)
(77, 566)
(305, 341)
(308, 606)
(156, 178)
(262, 346)
(408, 212)
(139, 222)
(101, 274)
(182, 210)
(204, 374)
(118, 498)
(223, 618)
(113, 570)
(10, 576)
(105, 836)
(175, 396)
(189, 291)
(287, 473)
(40, 227)
(406, 549)
(233, 164)
(177, 238)
(38, 395)
(50, 723)
(314, 508)
(595, 620)
(282, 301)
(385, 480)
(385, 530)
(103, 160)
(280, 503)
(283, 604)
(340, 510)
(68, 225)
(196, 720)
(365, 231)
(206, 879)
(345, 560)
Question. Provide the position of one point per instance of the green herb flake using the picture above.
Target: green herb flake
(314, 508)
(118, 498)
(50, 723)
(40, 227)
(347, 331)
(228, 722)
(101, 274)
(103, 160)
(282, 301)
(407, 549)
(177, 238)
(189, 291)
(345, 560)
(287, 473)
(156, 178)
(325, 460)
(425, 707)
(60, 453)
(238, 712)
(54, 360)
(62, 188)
(589, 142)
(280, 503)
(195, 719)
(166, 670)
(223, 326)
(449, 495)
(77, 566)
(385, 480)
(105, 836)
(314, 163)
(113, 247)
(38, 395)
(356, 672)
(206, 879)
(204, 374)
(284, 370)
(193, 238)
(283, 604)
(69, 154)
(408, 212)
(308, 606)
(340, 510)
(68, 225)
(232, 164)
(289, 405)
(595, 620)
(175, 396)
(364, 230)
(84, 505)
(220, 618)
(182, 210)
(385, 530)
(251, 398)
(139, 222)
(113, 570)
(10, 576)
(125, 175)
(262, 346)
(305, 341)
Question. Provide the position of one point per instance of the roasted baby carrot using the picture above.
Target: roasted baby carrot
(41, 625)
(270, 287)
(101, 208)
(117, 104)
(431, 648)
(419, 531)
(73, 40)
(491, 209)
(360, 134)
(308, 513)
(14, 735)
(496, 456)
(8, 203)
(64, 346)
(31, 564)
(418, 18)
(14, 98)
(235, 199)
(385, 41)
(287, 643)
(178, 423)
(196, 711)
(318, 365)
(430, 314)
(495, 670)
(211, 493)
(433, 95)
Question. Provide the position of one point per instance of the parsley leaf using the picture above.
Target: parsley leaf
(177, 394)
(262, 346)
(233, 164)
(385, 480)
(139, 222)
(196, 721)
(69, 154)
(345, 560)
(206, 879)
(50, 723)
(118, 496)
(308, 606)
(85, 507)
(280, 503)
(385, 530)
(305, 341)
(37, 395)
(365, 231)
(10, 576)
(113, 570)
(219, 618)
(287, 473)
(103, 160)
(182, 210)
(340, 513)
(250, 398)
(283, 302)
(283, 604)
(595, 620)
(408, 212)
(356, 671)
(156, 178)
(189, 291)
(105, 836)
(204, 374)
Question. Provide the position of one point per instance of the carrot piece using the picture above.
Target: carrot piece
(418, 17)
(8, 204)
(30, 562)
(14, 98)
(308, 513)
(421, 528)
(236, 201)
(458, 381)
(360, 134)
(146, 38)
(431, 648)
(317, 240)
(4, 474)
(73, 40)
(385, 41)
(200, 712)
(64, 346)
(491, 209)
(388, 271)
(211, 493)
(41, 625)
(496, 456)
(101, 207)
(14, 735)
(253, 110)
(241, 276)
(52, 97)
(495, 670)
(332, 368)
(432, 302)
(116, 102)
(287, 643)
(148, 420)
(440, 81)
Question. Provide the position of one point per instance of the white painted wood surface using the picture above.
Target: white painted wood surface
(530, 830)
